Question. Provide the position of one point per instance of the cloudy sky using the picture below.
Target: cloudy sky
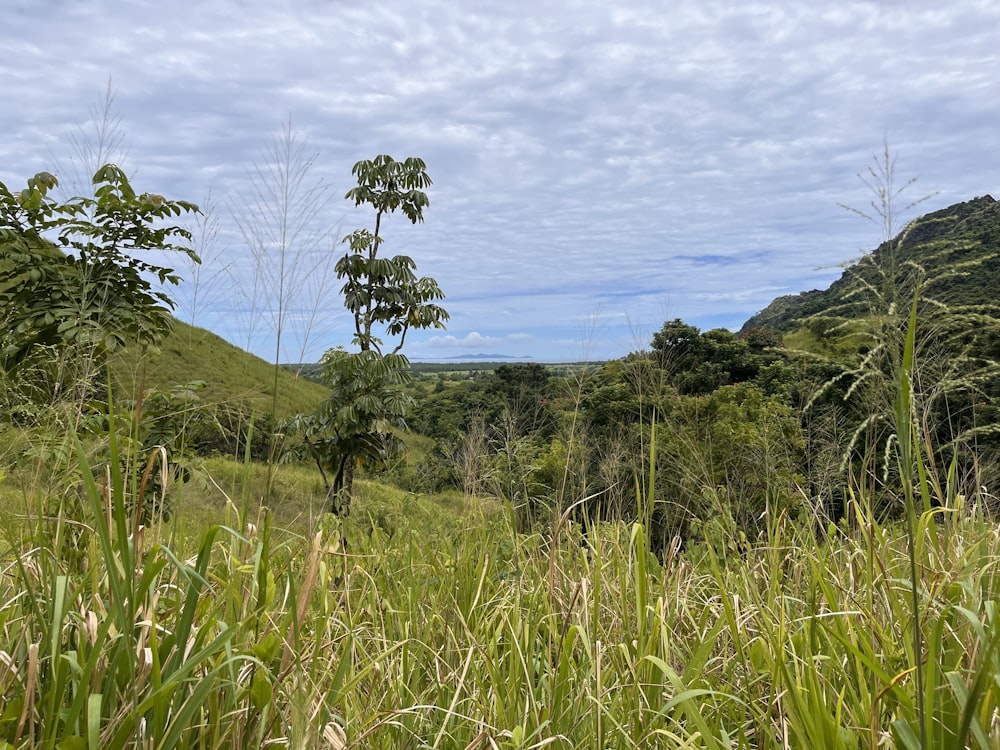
(598, 167)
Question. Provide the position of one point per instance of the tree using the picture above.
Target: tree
(385, 291)
(676, 345)
(360, 420)
(724, 459)
(697, 363)
(516, 380)
(523, 389)
(73, 285)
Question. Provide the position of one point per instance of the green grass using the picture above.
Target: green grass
(232, 376)
(438, 626)
(223, 486)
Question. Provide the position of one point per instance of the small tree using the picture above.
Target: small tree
(386, 299)
(697, 363)
(73, 285)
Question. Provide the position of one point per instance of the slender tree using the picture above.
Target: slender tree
(366, 409)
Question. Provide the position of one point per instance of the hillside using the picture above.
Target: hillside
(946, 239)
(232, 375)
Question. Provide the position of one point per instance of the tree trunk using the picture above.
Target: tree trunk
(340, 493)
(348, 487)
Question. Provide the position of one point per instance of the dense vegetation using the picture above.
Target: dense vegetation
(944, 242)
(778, 538)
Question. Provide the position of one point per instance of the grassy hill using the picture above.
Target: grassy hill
(962, 236)
(232, 375)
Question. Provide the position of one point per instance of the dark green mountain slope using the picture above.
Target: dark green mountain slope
(965, 236)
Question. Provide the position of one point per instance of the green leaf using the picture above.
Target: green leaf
(907, 737)
(261, 689)
(268, 648)
(94, 722)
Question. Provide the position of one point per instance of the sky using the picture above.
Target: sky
(598, 168)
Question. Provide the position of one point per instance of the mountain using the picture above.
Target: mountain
(957, 246)
(482, 357)
(232, 376)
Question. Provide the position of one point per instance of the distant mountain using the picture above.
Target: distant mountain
(965, 234)
(480, 357)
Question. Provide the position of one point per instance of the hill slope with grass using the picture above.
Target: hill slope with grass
(963, 235)
(232, 376)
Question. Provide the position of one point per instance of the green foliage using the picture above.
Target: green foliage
(895, 304)
(622, 393)
(524, 391)
(731, 456)
(447, 412)
(517, 379)
(360, 420)
(381, 291)
(238, 392)
(761, 339)
(497, 432)
(956, 246)
(161, 432)
(86, 293)
(698, 363)
(387, 185)
(731, 453)
(385, 298)
(849, 343)
(422, 467)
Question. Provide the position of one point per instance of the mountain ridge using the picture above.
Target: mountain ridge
(939, 240)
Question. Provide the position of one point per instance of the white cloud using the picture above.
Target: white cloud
(584, 154)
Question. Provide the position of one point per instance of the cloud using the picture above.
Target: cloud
(586, 156)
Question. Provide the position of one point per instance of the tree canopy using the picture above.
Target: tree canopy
(74, 278)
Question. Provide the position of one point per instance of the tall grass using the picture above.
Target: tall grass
(469, 635)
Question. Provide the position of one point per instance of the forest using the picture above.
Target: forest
(783, 536)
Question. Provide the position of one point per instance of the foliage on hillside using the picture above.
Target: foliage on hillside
(541, 442)
(711, 432)
(940, 241)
